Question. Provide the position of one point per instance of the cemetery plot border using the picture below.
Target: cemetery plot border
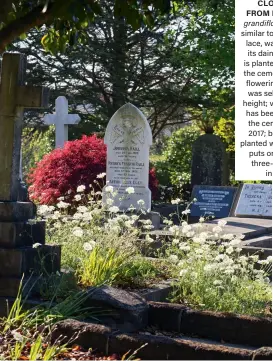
(169, 335)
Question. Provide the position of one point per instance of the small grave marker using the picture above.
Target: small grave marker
(61, 119)
(255, 200)
(212, 201)
(128, 138)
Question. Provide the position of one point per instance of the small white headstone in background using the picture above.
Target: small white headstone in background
(128, 138)
(61, 119)
(255, 200)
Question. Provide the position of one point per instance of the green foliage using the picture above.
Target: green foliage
(47, 314)
(58, 286)
(38, 350)
(243, 296)
(178, 154)
(35, 144)
(169, 70)
(99, 247)
(115, 267)
(209, 267)
(102, 266)
(66, 20)
(214, 274)
(139, 272)
(27, 330)
(162, 169)
(225, 128)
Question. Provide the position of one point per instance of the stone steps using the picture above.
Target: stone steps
(177, 332)
(262, 241)
(249, 227)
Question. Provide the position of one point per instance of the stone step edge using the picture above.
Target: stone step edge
(157, 347)
(167, 234)
(217, 326)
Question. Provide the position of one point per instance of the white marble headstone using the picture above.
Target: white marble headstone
(255, 200)
(128, 138)
(61, 119)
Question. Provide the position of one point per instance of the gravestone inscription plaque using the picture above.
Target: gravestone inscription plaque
(128, 138)
(212, 201)
(255, 200)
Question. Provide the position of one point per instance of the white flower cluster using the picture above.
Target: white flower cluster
(220, 262)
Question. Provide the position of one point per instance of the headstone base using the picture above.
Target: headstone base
(20, 234)
(154, 217)
(7, 302)
(20, 261)
(16, 211)
(27, 260)
(9, 286)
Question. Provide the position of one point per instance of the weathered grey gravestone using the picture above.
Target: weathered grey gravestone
(128, 138)
(17, 235)
(255, 200)
(61, 119)
(209, 161)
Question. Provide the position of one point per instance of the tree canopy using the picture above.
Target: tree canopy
(172, 70)
(68, 19)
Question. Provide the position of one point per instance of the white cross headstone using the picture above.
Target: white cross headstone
(128, 138)
(61, 119)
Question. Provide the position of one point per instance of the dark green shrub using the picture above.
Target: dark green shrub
(178, 154)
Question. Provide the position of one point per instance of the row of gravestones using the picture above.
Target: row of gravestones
(249, 200)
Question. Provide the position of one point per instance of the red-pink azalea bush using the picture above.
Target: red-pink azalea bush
(60, 172)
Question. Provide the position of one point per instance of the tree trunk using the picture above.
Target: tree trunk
(118, 73)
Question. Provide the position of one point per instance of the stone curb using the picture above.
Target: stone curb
(157, 348)
(159, 292)
(232, 328)
(263, 253)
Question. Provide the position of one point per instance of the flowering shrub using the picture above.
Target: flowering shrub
(60, 172)
(98, 247)
(211, 271)
(213, 274)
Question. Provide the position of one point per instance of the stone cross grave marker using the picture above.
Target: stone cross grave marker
(17, 234)
(255, 200)
(128, 138)
(61, 119)
(209, 161)
(14, 97)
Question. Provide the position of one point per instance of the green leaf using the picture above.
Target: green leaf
(23, 36)
(45, 40)
(149, 20)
